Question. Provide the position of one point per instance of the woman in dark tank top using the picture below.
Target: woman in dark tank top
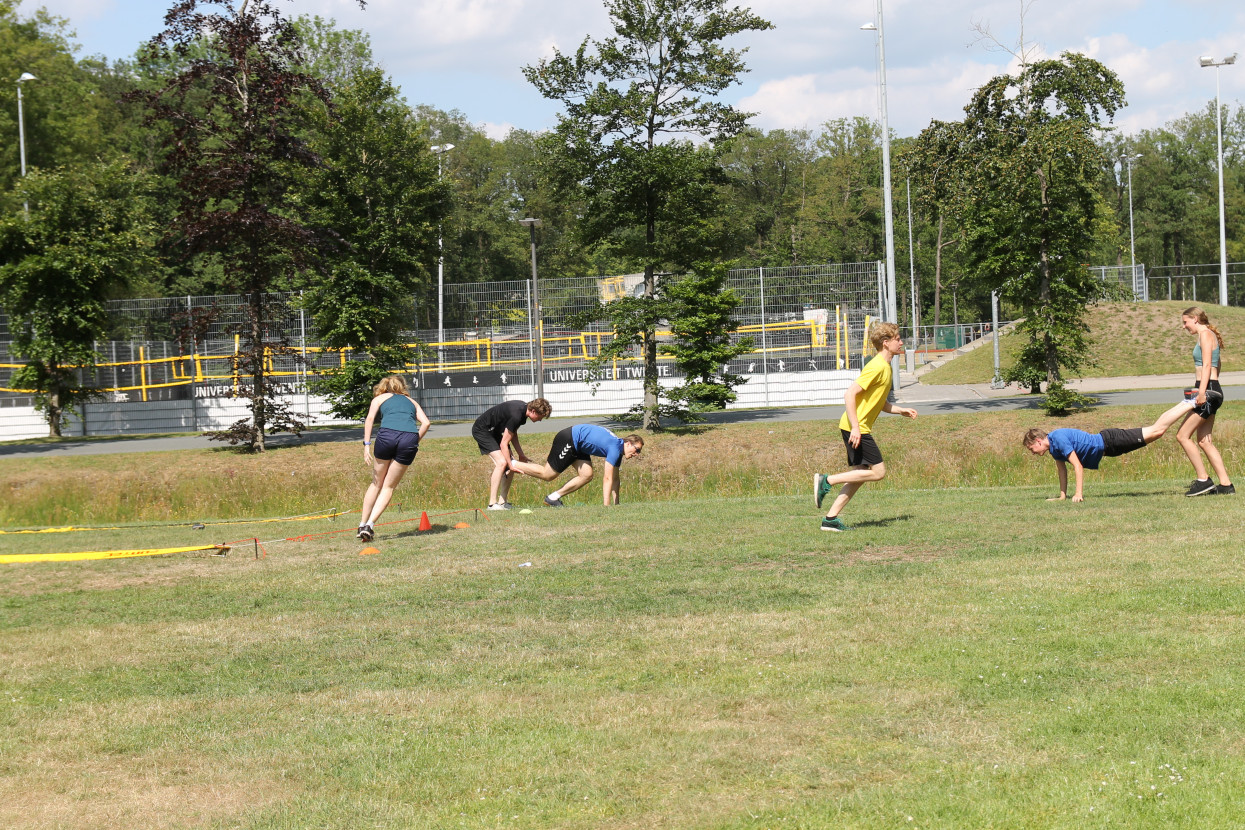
(1207, 395)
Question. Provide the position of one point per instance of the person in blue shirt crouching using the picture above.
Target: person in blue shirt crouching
(576, 446)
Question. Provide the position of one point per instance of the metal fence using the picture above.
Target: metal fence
(1131, 277)
(1195, 283)
(813, 318)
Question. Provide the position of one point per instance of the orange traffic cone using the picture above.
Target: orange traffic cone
(424, 524)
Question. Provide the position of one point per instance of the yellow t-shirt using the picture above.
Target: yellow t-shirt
(876, 381)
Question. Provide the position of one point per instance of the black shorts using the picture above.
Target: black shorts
(563, 453)
(1214, 400)
(867, 454)
(1119, 441)
(486, 441)
(395, 445)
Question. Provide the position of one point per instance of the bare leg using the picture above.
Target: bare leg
(530, 468)
(583, 475)
(499, 480)
(1184, 435)
(379, 468)
(393, 475)
(852, 480)
(1159, 428)
(1207, 445)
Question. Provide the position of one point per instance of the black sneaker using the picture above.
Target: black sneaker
(367, 533)
(835, 524)
(553, 502)
(1225, 490)
(359, 534)
(1201, 487)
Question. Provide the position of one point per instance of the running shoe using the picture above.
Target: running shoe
(553, 502)
(1201, 487)
(835, 524)
(1225, 490)
(499, 506)
(367, 533)
(359, 534)
(821, 488)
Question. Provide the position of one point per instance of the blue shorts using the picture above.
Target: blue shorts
(395, 445)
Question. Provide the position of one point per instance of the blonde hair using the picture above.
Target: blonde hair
(393, 384)
(880, 332)
(1198, 316)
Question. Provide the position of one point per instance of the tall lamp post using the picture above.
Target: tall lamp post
(1206, 60)
(1132, 242)
(891, 311)
(21, 129)
(440, 149)
(539, 340)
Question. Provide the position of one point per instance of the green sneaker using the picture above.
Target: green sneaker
(835, 524)
(821, 488)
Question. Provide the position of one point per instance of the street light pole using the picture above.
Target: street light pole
(1223, 237)
(891, 311)
(1132, 242)
(21, 130)
(539, 345)
(439, 149)
(912, 263)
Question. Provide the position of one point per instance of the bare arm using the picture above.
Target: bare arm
(1207, 340)
(1062, 469)
(849, 403)
(424, 423)
(1078, 470)
(367, 426)
(898, 410)
(509, 439)
(609, 486)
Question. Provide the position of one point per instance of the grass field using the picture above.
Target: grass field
(970, 655)
(1128, 338)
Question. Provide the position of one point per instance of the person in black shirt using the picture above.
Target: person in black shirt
(496, 433)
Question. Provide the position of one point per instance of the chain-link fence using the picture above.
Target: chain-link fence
(1131, 277)
(806, 319)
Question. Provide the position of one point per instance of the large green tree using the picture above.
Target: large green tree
(87, 235)
(1024, 163)
(635, 105)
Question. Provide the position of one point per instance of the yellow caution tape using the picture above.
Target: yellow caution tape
(17, 558)
(56, 530)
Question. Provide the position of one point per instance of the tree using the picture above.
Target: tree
(237, 115)
(634, 106)
(702, 322)
(87, 235)
(378, 189)
(1024, 162)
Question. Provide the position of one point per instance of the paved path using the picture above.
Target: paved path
(925, 398)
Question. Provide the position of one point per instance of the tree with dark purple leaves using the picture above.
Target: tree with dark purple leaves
(236, 114)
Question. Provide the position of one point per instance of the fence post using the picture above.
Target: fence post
(531, 350)
(302, 335)
(764, 338)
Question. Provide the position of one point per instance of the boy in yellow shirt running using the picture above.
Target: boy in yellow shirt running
(864, 400)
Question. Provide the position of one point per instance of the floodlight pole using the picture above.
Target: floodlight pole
(538, 346)
(1223, 237)
(21, 132)
(891, 311)
(440, 149)
(1132, 242)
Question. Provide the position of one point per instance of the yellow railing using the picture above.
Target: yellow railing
(467, 355)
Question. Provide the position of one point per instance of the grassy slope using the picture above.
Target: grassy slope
(1129, 339)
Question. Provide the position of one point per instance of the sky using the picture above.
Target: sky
(815, 65)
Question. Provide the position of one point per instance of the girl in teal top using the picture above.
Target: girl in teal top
(402, 425)
(1207, 397)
